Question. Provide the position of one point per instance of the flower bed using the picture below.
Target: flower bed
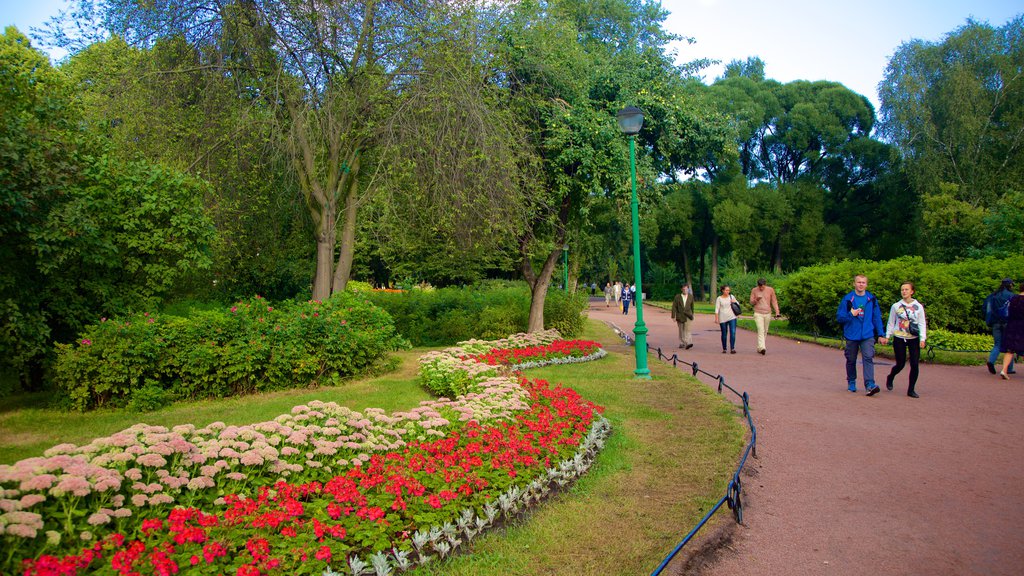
(557, 352)
(320, 487)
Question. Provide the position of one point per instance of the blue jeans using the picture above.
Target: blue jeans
(997, 335)
(730, 329)
(866, 348)
(625, 306)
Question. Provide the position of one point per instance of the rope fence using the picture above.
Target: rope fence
(734, 491)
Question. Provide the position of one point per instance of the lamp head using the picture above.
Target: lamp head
(630, 119)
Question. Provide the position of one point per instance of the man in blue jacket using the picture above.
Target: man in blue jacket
(861, 319)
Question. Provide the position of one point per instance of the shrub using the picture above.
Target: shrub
(254, 346)
(445, 316)
(952, 294)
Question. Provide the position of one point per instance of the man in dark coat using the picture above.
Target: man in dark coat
(682, 313)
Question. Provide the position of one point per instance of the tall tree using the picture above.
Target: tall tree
(955, 110)
(333, 73)
(82, 234)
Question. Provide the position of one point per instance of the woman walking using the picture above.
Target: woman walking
(726, 318)
(907, 329)
(1013, 334)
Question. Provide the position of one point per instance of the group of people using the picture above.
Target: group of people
(1004, 314)
(621, 294)
(860, 315)
(727, 310)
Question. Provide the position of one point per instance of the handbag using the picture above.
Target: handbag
(736, 309)
(912, 326)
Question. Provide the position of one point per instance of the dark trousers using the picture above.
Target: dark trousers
(625, 306)
(899, 348)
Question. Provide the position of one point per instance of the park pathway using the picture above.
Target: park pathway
(845, 484)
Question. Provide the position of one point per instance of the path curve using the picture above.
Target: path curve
(845, 484)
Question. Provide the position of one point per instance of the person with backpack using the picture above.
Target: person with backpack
(997, 309)
(861, 318)
(1013, 333)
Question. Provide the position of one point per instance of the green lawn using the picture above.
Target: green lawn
(674, 446)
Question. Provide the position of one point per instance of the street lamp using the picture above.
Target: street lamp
(631, 119)
(565, 267)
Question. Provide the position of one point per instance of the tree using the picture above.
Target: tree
(333, 74)
(164, 105)
(955, 110)
(82, 234)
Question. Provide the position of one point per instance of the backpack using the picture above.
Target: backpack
(997, 309)
(1003, 311)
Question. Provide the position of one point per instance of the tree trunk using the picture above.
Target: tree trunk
(325, 240)
(686, 269)
(348, 238)
(713, 281)
(539, 288)
(777, 257)
(700, 284)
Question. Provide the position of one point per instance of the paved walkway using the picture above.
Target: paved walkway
(850, 485)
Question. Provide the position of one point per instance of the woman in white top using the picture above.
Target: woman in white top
(905, 318)
(726, 318)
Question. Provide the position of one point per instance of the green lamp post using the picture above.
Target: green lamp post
(565, 267)
(631, 119)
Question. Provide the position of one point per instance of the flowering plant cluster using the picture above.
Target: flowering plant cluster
(321, 486)
(454, 371)
(557, 352)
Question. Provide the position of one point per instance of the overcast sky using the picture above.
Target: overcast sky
(847, 42)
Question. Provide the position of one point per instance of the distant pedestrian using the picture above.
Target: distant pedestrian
(861, 318)
(627, 296)
(1013, 334)
(725, 316)
(907, 328)
(763, 299)
(682, 313)
(994, 310)
(609, 294)
(618, 292)
(593, 288)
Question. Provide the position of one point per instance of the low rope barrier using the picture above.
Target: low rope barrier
(734, 491)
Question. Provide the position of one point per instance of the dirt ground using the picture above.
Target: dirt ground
(846, 484)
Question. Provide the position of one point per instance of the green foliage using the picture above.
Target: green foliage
(952, 294)
(445, 316)
(145, 359)
(955, 109)
(743, 282)
(960, 342)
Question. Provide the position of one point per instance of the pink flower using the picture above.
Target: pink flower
(86, 342)
(152, 460)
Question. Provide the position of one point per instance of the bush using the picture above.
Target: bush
(952, 294)
(445, 316)
(252, 347)
(743, 282)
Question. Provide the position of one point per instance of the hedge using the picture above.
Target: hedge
(445, 316)
(146, 360)
(952, 294)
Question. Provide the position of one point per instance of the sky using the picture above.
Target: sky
(846, 42)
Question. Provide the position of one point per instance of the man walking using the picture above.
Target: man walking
(682, 313)
(609, 293)
(763, 299)
(861, 319)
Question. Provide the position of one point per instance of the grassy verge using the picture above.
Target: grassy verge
(674, 446)
(27, 427)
